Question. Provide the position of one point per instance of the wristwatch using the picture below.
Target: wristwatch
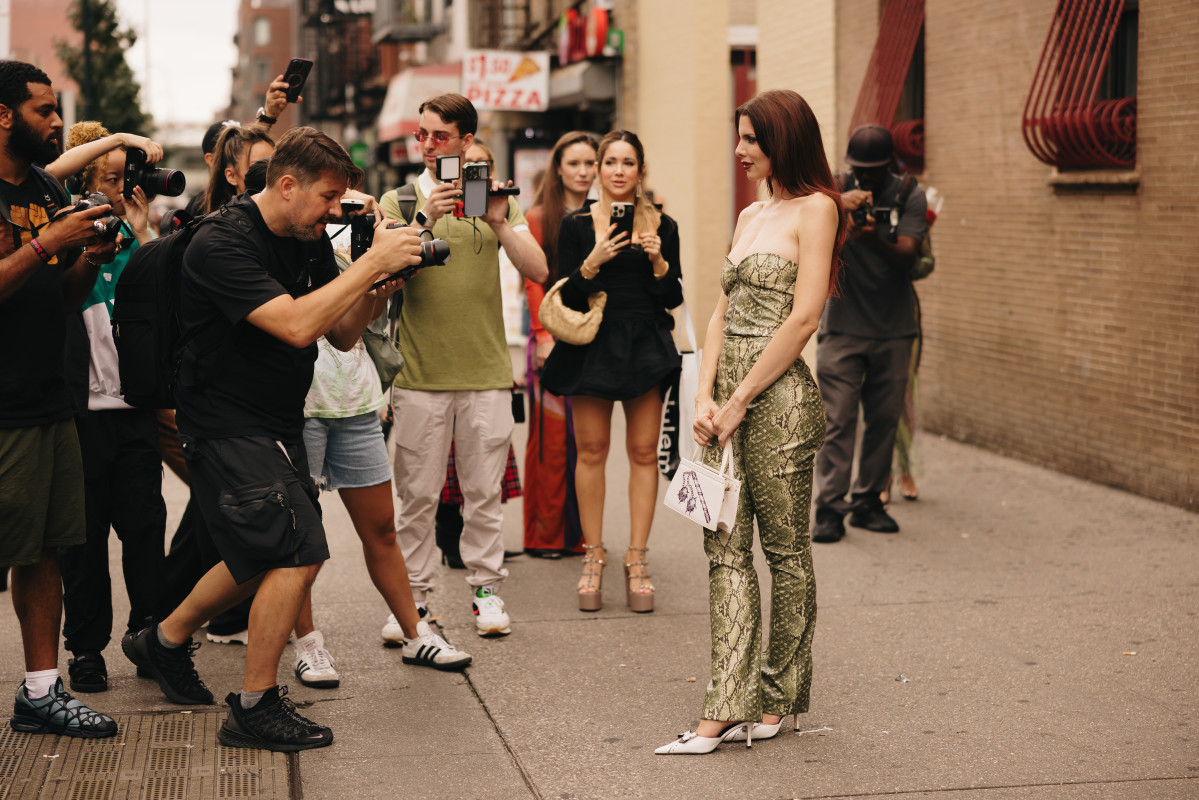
(422, 220)
(263, 118)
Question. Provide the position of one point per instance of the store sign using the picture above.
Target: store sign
(506, 80)
(583, 34)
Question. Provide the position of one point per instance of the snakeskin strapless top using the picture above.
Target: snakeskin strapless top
(760, 290)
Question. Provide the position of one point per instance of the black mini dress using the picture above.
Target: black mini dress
(633, 351)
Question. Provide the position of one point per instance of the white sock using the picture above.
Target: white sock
(310, 642)
(37, 684)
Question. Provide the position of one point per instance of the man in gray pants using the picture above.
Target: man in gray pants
(865, 337)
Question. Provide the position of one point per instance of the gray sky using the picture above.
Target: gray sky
(187, 48)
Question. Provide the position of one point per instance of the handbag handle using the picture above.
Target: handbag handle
(726, 459)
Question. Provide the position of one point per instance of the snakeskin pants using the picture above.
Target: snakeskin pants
(773, 452)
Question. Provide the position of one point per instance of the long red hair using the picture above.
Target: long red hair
(789, 136)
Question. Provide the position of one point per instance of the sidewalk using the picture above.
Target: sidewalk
(1027, 635)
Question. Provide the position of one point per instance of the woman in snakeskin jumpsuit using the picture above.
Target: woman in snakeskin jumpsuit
(755, 389)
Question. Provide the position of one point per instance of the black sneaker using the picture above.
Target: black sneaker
(872, 517)
(272, 724)
(60, 714)
(170, 667)
(829, 527)
(88, 672)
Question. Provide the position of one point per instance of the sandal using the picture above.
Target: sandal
(641, 597)
(591, 596)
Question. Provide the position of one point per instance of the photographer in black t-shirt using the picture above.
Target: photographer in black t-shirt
(259, 287)
(44, 277)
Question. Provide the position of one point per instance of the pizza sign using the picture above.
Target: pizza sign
(507, 80)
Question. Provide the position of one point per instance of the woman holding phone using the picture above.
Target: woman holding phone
(631, 360)
(756, 391)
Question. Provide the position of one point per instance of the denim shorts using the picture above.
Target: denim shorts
(347, 453)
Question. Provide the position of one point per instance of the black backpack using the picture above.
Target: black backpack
(146, 325)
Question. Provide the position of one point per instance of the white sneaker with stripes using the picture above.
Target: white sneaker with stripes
(315, 666)
(430, 650)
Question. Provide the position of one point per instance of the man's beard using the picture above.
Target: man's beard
(305, 233)
(25, 144)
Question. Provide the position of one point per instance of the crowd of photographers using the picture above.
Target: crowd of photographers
(266, 411)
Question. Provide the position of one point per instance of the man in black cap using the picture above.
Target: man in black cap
(865, 339)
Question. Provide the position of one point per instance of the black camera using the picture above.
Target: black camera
(878, 216)
(433, 252)
(106, 228)
(165, 182)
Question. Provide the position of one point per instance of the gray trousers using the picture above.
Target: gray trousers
(853, 370)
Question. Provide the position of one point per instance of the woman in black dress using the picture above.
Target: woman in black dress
(632, 358)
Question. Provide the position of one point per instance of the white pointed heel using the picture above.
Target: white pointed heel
(691, 743)
(761, 730)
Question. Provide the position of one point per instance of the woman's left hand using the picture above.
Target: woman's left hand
(137, 214)
(651, 245)
(726, 420)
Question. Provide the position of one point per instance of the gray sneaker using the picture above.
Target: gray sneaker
(60, 714)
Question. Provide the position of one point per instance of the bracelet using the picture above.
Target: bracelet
(583, 270)
(88, 259)
(41, 251)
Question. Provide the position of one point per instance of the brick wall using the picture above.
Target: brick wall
(1060, 326)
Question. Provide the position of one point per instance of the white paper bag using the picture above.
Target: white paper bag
(704, 495)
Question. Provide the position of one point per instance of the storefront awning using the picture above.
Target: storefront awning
(407, 90)
(582, 82)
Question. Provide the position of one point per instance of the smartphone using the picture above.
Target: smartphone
(449, 168)
(295, 75)
(622, 218)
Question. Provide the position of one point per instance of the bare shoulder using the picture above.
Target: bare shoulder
(750, 211)
(816, 210)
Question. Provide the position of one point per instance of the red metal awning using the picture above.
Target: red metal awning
(1065, 123)
(882, 87)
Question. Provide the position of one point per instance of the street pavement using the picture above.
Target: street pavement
(1027, 635)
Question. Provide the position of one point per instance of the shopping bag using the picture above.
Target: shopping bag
(678, 406)
(704, 495)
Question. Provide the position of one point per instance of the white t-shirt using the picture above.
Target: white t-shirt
(343, 384)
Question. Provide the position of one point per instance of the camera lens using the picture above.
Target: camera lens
(434, 252)
(165, 182)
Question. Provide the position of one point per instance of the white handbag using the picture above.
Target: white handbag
(678, 406)
(704, 495)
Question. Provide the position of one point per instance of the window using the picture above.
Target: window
(1081, 109)
(262, 71)
(262, 32)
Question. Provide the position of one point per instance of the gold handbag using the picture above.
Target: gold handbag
(567, 325)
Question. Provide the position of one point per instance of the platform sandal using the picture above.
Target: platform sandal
(641, 597)
(591, 596)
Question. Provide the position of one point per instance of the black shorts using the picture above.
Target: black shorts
(258, 502)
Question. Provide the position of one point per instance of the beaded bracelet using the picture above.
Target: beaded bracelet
(41, 251)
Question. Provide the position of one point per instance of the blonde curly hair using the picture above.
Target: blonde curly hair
(82, 133)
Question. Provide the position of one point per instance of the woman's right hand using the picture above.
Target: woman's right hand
(605, 250)
(152, 149)
(704, 428)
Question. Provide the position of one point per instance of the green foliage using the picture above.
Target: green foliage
(113, 96)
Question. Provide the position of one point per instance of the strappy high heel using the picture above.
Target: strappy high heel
(591, 596)
(691, 743)
(641, 598)
(761, 730)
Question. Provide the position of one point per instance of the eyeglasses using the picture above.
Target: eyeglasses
(439, 137)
